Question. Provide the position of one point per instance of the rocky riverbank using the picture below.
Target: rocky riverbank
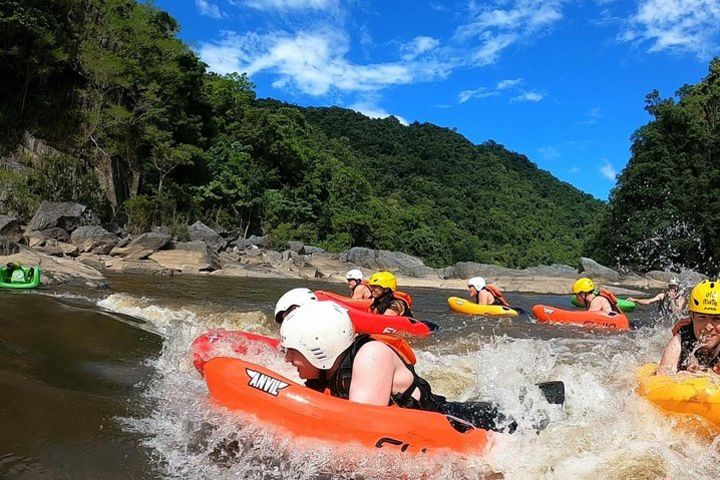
(63, 239)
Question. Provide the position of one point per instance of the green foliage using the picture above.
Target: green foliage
(127, 95)
(664, 210)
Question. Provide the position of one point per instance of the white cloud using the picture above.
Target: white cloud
(592, 116)
(210, 9)
(676, 25)
(509, 83)
(501, 23)
(439, 7)
(574, 169)
(492, 45)
(608, 171)
(417, 46)
(481, 92)
(285, 5)
(549, 153)
(528, 97)
(313, 62)
(370, 109)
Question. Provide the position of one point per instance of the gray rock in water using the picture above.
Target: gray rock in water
(591, 268)
(94, 239)
(200, 231)
(8, 247)
(65, 215)
(10, 228)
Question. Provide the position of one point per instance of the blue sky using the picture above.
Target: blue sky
(562, 82)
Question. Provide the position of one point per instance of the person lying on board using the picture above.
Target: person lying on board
(319, 340)
(595, 300)
(672, 302)
(485, 294)
(387, 300)
(695, 345)
(359, 288)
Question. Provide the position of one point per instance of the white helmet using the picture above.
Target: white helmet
(477, 282)
(320, 331)
(295, 297)
(674, 281)
(354, 274)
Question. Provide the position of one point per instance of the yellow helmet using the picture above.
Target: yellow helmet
(583, 285)
(705, 297)
(384, 279)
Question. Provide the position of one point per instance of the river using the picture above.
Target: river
(99, 384)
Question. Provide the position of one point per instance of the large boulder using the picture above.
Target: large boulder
(250, 242)
(65, 215)
(554, 270)
(8, 247)
(94, 239)
(191, 257)
(465, 270)
(56, 233)
(200, 231)
(10, 228)
(385, 260)
(144, 245)
(590, 268)
(295, 246)
(312, 250)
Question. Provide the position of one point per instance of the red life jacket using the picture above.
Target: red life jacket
(495, 292)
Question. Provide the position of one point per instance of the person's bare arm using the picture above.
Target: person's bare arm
(373, 374)
(648, 301)
(670, 357)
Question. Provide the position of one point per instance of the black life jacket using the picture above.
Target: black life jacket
(339, 383)
(383, 302)
(688, 345)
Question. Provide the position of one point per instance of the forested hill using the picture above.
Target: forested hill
(146, 135)
(480, 201)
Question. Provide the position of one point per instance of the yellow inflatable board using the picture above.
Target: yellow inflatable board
(471, 308)
(682, 394)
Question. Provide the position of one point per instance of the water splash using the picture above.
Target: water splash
(604, 431)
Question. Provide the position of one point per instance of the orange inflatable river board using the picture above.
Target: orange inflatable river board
(361, 304)
(612, 320)
(253, 389)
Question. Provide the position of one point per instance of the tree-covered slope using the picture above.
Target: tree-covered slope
(482, 202)
(151, 137)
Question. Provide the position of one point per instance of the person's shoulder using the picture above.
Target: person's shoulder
(373, 350)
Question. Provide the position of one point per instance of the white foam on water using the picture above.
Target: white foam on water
(604, 430)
